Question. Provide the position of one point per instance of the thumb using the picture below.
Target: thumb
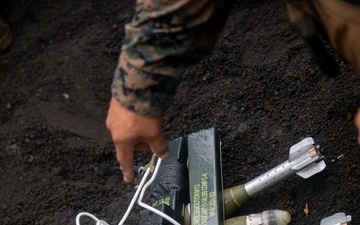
(160, 147)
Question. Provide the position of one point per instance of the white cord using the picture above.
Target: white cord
(135, 197)
(148, 207)
(98, 222)
(141, 189)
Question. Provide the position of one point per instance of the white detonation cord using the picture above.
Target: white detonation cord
(142, 188)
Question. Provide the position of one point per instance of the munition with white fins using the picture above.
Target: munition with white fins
(304, 159)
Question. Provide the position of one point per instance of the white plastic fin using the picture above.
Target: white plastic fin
(304, 142)
(336, 219)
(312, 169)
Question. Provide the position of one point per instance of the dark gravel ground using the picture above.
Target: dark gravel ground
(259, 88)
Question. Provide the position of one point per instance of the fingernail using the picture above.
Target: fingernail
(165, 155)
(127, 180)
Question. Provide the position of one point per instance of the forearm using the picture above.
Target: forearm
(162, 40)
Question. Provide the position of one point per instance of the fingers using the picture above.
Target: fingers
(125, 152)
(125, 156)
(130, 132)
(159, 146)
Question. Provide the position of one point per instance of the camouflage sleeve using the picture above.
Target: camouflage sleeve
(164, 38)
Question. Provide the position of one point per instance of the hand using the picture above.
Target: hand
(357, 124)
(130, 132)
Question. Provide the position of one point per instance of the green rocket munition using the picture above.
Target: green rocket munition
(234, 198)
(304, 159)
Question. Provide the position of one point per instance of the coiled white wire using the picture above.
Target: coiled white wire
(141, 190)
